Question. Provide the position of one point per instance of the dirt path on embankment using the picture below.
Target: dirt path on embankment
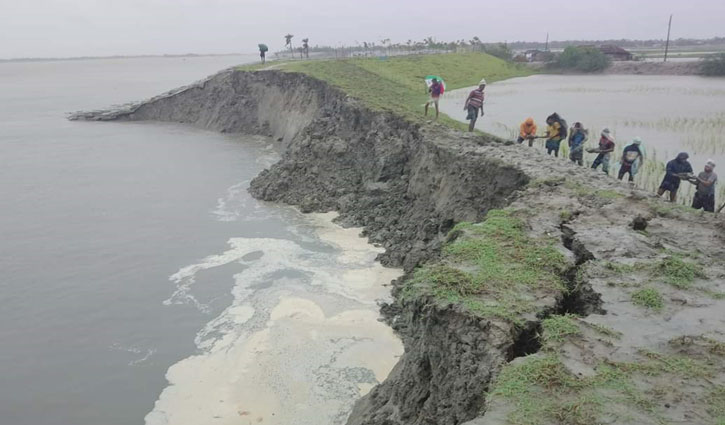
(647, 303)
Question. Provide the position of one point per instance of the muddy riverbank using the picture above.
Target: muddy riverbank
(410, 187)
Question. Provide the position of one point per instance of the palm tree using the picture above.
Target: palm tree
(288, 42)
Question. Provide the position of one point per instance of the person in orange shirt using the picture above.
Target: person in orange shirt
(527, 131)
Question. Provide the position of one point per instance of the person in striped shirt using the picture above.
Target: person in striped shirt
(474, 103)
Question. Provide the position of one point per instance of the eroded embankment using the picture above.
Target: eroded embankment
(483, 296)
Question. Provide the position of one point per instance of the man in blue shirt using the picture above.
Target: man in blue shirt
(577, 137)
(677, 169)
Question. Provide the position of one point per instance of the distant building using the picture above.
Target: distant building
(538, 56)
(616, 53)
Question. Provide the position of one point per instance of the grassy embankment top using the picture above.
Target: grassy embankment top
(396, 84)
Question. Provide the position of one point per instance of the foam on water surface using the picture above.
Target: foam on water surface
(300, 342)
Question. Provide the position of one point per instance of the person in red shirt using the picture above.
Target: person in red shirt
(435, 90)
(606, 147)
(474, 103)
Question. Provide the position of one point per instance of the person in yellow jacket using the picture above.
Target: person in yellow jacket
(555, 132)
(527, 131)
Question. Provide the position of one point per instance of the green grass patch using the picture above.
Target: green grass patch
(716, 295)
(679, 273)
(557, 328)
(716, 402)
(579, 189)
(548, 181)
(448, 279)
(619, 267)
(648, 297)
(396, 84)
(668, 209)
(676, 364)
(540, 389)
(493, 268)
(715, 347)
(604, 330)
(608, 194)
(543, 390)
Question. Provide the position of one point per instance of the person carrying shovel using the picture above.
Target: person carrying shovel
(604, 151)
(577, 137)
(527, 131)
(705, 193)
(678, 169)
(556, 131)
(474, 104)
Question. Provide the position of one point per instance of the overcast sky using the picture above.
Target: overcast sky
(62, 28)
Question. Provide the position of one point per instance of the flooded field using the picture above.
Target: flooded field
(670, 113)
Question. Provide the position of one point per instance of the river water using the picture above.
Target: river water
(670, 113)
(141, 283)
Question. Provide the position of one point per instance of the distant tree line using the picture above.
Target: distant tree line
(582, 59)
(501, 50)
(654, 43)
(713, 65)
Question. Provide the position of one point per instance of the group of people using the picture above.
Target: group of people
(473, 105)
(680, 169)
(632, 157)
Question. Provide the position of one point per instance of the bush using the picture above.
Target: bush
(584, 59)
(713, 65)
(500, 50)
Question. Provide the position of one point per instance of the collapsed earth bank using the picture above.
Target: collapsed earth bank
(409, 185)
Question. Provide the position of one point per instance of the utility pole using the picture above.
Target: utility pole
(546, 49)
(667, 44)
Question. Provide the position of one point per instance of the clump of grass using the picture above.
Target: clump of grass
(676, 364)
(604, 330)
(716, 295)
(715, 347)
(548, 181)
(558, 328)
(619, 267)
(565, 215)
(716, 403)
(608, 194)
(579, 188)
(648, 297)
(500, 268)
(669, 210)
(543, 390)
(450, 279)
(678, 272)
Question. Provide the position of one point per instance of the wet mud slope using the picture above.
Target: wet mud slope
(535, 292)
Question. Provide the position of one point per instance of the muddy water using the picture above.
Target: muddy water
(136, 268)
(300, 341)
(670, 113)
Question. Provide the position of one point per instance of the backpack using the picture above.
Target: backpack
(563, 128)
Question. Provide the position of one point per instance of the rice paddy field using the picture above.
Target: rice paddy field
(671, 114)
